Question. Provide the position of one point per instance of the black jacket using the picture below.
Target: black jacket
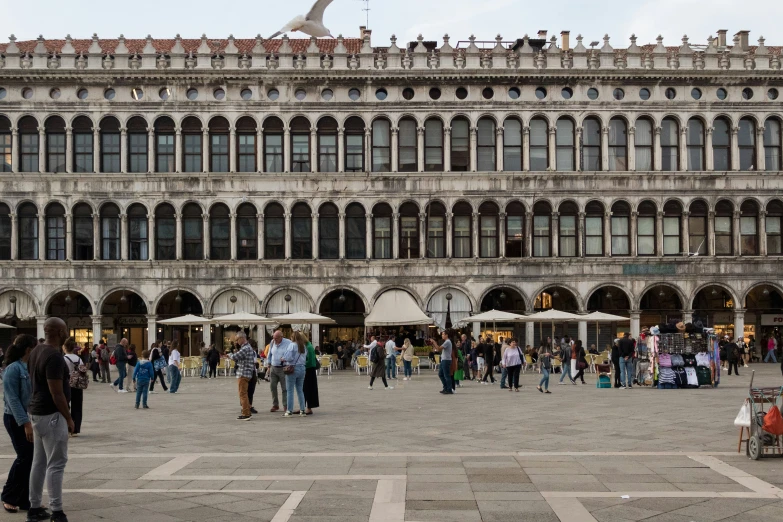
(120, 355)
(626, 347)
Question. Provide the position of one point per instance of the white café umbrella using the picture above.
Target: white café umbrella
(551, 316)
(5, 326)
(494, 316)
(242, 318)
(303, 318)
(186, 320)
(601, 317)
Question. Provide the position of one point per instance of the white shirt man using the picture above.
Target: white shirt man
(391, 359)
(174, 365)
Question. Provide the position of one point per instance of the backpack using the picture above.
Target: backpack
(105, 354)
(376, 355)
(78, 378)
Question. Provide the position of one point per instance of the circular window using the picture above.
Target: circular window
(408, 93)
(722, 94)
(540, 93)
(462, 93)
(670, 93)
(109, 94)
(381, 94)
(137, 93)
(327, 94)
(246, 94)
(435, 93)
(27, 93)
(273, 94)
(618, 94)
(567, 93)
(164, 93)
(488, 93)
(354, 94)
(696, 94)
(772, 94)
(592, 93)
(747, 93)
(3, 93)
(82, 94)
(219, 94)
(192, 94)
(644, 94)
(54, 93)
(514, 93)
(300, 94)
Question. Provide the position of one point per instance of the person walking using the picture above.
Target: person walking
(51, 422)
(579, 362)
(565, 363)
(457, 373)
(512, 362)
(143, 373)
(545, 364)
(734, 356)
(213, 358)
(133, 358)
(310, 387)
(391, 358)
(173, 369)
(626, 351)
(377, 357)
(772, 346)
(251, 386)
(104, 357)
(245, 360)
(277, 349)
(503, 370)
(120, 359)
(158, 365)
(294, 360)
(16, 399)
(615, 356)
(95, 366)
(444, 371)
(489, 360)
(77, 395)
(407, 360)
(203, 351)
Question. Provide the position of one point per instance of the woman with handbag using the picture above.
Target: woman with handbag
(579, 357)
(294, 360)
(158, 364)
(512, 362)
(310, 387)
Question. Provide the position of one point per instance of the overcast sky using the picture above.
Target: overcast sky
(405, 18)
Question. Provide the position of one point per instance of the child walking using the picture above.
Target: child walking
(142, 375)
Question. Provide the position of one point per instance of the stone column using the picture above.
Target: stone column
(314, 151)
(761, 159)
(39, 324)
(635, 234)
(260, 218)
(711, 233)
(14, 237)
(499, 149)
(502, 236)
(604, 148)
(555, 234)
(205, 147)
(178, 150)
(528, 234)
(530, 333)
(96, 149)
(420, 148)
(446, 149)
(260, 166)
(578, 147)
(525, 148)
(151, 237)
(685, 233)
(657, 149)
(709, 157)
(580, 239)
(395, 149)
(14, 150)
(287, 235)
(473, 151)
(341, 236)
(234, 238)
(232, 161)
(739, 324)
(552, 142)
(659, 234)
(395, 232)
(735, 233)
(206, 332)
(368, 236)
(735, 162)
(68, 238)
(762, 228)
(123, 150)
(179, 238)
(684, 148)
(124, 237)
(582, 330)
(152, 328)
(315, 334)
(475, 235)
(367, 150)
(341, 149)
(687, 316)
(96, 236)
(41, 149)
(608, 234)
(631, 150)
(69, 150)
(449, 235)
(41, 235)
(314, 235)
(636, 317)
(150, 149)
(422, 235)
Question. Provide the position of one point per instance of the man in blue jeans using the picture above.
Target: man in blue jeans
(626, 360)
(120, 359)
(391, 358)
(445, 364)
(565, 367)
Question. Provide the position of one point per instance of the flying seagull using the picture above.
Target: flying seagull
(312, 23)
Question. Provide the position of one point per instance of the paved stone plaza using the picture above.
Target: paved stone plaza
(410, 454)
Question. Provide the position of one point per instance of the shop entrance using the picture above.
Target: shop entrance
(124, 315)
(75, 309)
(348, 310)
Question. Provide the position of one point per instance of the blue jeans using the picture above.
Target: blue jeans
(142, 389)
(626, 372)
(391, 367)
(544, 379)
(503, 375)
(122, 370)
(565, 369)
(176, 376)
(295, 382)
(407, 368)
(444, 372)
(771, 353)
(204, 367)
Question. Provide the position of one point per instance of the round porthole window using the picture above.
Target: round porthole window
(381, 94)
(137, 94)
(644, 94)
(109, 94)
(192, 94)
(273, 94)
(219, 94)
(82, 94)
(246, 94)
(435, 93)
(540, 93)
(461, 93)
(354, 94)
(670, 93)
(722, 94)
(300, 94)
(3, 93)
(696, 93)
(408, 93)
(27, 93)
(327, 94)
(514, 93)
(747, 93)
(618, 94)
(164, 93)
(592, 93)
(772, 94)
(54, 93)
(488, 93)
(567, 93)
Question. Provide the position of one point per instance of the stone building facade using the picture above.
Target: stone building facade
(146, 178)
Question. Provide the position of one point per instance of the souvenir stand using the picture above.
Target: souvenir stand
(682, 359)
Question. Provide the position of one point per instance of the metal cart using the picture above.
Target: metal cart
(760, 443)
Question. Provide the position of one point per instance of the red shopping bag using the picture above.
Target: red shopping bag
(773, 421)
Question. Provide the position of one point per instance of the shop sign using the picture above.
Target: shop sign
(771, 319)
(133, 320)
(645, 269)
(723, 318)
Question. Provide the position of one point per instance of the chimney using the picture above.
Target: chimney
(542, 34)
(564, 40)
(744, 37)
(722, 37)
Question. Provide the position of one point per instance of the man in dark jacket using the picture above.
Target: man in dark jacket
(120, 358)
(733, 354)
(489, 360)
(616, 362)
(626, 360)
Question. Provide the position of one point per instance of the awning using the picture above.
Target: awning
(185, 320)
(396, 308)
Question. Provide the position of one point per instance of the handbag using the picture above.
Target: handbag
(743, 417)
(289, 369)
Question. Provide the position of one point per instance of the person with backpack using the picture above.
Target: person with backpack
(104, 360)
(377, 357)
(78, 383)
(143, 373)
(158, 365)
(120, 356)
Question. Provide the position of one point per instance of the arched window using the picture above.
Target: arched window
(219, 233)
(327, 144)
(247, 232)
(645, 228)
(486, 157)
(55, 144)
(111, 148)
(28, 232)
(5, 144)
(436, 230)
(83, 249)
(137, 145)
(618, 144)
(488, 230)
(564, 145)
(594, 229)
(515, 230)
(409, 231)
(670, 145)
(462, 236)
(273, 144)
(246, 144)
(28, 144)
(55, 232)
(165, 146)
(512, 145)
(381, 145)
(355, 232)
(773, 222)
(772, 144)
(539, 144)
(328, 232)
(381, 231)
(5, 232)
(408, 145)
(542, 229)
(433, 145)
(591, 144)
(191, 145)
(274, 232)
(165, 233)
(695, 144)
(138, 237)
(301, 232)
(83, 145)
(110, 232)
(621, 229)
(697, 228)
(643, 145)
(568, 233)
(354, 145)
(724, 229)
(218, 145)
(721, 145)
(192, 232)
(460, 145)
(672, 215)
(747, 144)
(749, 235)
